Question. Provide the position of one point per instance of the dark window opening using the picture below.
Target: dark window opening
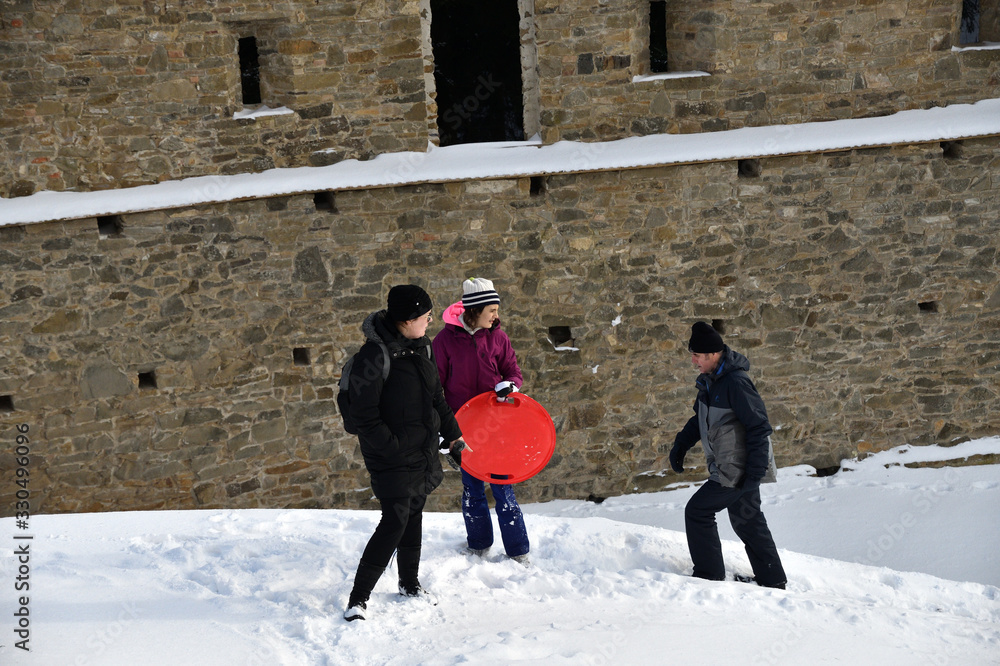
(6, 403)
(147, 380)
(110, 226)
(748, 168)
(658, 36)
(951, 150)
(537, 185)
(326, 201)
(719, 326)
(249, 70)
(928, 306)
(561, 336)
(969, 27)
(477, 71)
(300, 356)
(827, 471)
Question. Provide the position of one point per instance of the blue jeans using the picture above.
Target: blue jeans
(478, 524)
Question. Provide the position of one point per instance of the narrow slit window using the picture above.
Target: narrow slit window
(951, 150)
(658, 36)
(325, 201)
(928, 306)
(110, 226)
(6, 403)
(748, 168)
(147, 380)
(300, 356)
(249, 71)
(537, 185)
(719, 326)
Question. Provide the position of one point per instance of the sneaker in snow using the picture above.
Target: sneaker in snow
(478, 552)
(356, 612)
(522, 559)
(417, 591)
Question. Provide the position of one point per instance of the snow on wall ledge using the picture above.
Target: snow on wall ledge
(506, 160)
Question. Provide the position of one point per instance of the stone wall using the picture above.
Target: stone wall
(98, 96)
(771, 63)
(189, 357)
(101, 96)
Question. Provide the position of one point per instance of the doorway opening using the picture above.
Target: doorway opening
(477, 71)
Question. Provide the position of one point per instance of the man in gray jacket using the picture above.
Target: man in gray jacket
(731, 423)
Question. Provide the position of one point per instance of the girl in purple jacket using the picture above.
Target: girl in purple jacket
(474, 356)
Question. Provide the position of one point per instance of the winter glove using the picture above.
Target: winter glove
(676, 458)
(749, 485)
(503, 389)
(454, 454)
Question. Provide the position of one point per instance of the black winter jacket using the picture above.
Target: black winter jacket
(731, 422)
(399, 418)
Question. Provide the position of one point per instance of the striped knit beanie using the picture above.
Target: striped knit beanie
(478, 292)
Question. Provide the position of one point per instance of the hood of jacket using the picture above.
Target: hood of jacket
(453, 315)
(731, 362)
(378, 329)
(374, 327)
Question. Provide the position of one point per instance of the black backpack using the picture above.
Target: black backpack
(344, 386)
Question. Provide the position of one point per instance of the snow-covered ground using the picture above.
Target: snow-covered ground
(608, 583)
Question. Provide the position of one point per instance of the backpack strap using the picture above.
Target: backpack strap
(345, 375)
(385, 360)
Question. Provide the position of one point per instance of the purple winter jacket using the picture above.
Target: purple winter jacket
(472, 364)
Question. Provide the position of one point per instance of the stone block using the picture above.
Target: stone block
(103, 380)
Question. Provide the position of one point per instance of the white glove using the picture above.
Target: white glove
(503, 389)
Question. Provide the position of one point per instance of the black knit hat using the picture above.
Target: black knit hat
(407, 301)
(704, 339)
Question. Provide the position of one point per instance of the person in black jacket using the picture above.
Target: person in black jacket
(399, 419)
(731, 423)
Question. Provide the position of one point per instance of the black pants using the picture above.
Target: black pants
(400, 527)
(748, 523)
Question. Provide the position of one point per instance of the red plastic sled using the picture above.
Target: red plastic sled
(509, 441)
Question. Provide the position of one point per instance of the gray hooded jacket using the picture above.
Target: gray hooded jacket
(731, 422)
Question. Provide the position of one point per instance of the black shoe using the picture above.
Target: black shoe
(740, 578)
(417, 590)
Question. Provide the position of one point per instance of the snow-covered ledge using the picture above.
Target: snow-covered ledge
(663, 76)
(253, 112)
(982, 46)
(487, 161)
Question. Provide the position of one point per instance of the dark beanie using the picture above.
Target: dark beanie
(407, 301)
(704, 339)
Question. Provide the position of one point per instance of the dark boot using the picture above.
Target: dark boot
(408, 563)
(364, 583)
